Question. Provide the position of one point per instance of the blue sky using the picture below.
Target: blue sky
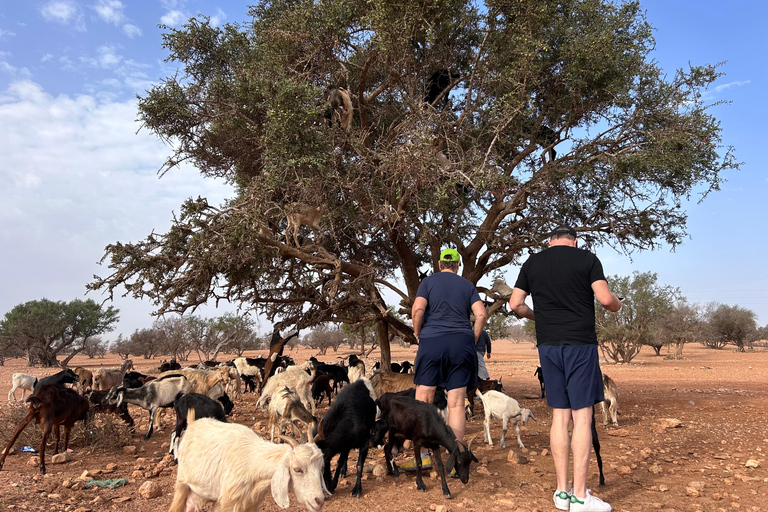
(76, 173)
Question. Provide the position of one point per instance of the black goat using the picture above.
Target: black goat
(51, 405)
(204, 406)
(172, 365)
(405, 367)
(321, 385)
(96, 399)
(63, 377)
(249, 383)
(336, 373)
(408, 418)
(437, 83)
(347, 425)
(135, 379)
(540, 373)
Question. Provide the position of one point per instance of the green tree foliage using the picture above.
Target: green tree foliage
(498, 326)
(675, 327)
(324, 337)
(553, 111)
(44, 329)
(730, 324)
(621, 335)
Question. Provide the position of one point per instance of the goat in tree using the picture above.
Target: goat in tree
(438, 82)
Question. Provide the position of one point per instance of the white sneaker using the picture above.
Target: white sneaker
(589, 504)
(562, 500)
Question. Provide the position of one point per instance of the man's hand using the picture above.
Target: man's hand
(488, 356)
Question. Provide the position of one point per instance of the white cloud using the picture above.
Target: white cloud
(74, 177)
(218, 18)
(110, 11)
(131, 31)
(172, 18)
(14, 71)
(5, 34)
(46, 57)
(65, 12)
(723, 87)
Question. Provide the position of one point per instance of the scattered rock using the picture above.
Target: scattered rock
(34, 462)
(663, 488)
(111, 466)
(618, 432)
(433, 475)
(379, 470)
(516, 458)
(752, 463)
(137, 474)
(54, 496)
(645, 453)
(665, 423)
(82, 509)
(149, 490)
(12, 452)
(624, 470)
(544, 452)
(122, 499)
(368, 468)
(482, 470)
(98, 500)
(60, 458)
(66, 483)
(129, 450)
(655, 469)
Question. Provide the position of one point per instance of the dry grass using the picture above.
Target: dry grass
(10, 417)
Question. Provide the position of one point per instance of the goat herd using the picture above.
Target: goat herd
(232, 465)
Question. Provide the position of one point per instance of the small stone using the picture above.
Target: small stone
(98, 500)
(149, 490)
(516, 458)
(482, 470)
(137, 474)
(752, 463)
(54, 496)
(433, 506)
(655, 469)
(663, 488)
(82, 509)
(122, 499)
(433, 475)
(645, 453)
(544, 452)
(692, 492)
(111, 466)
(624, 470)
(379, 470)
(76, 486)
(66, 483)
(60, 458)
(12, 452)
(129, 450)
(34, 462)
(441, 508)
(696, 484)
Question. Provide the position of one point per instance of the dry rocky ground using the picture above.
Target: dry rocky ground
(715, 459)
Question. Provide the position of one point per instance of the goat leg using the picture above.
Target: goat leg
(27, 419)
(57, 437)
(152, 414)
(487, 430)
(517, 431)
(441, 470)
(46, 432)
(596, 446)
(363, 453)
(391, 466)
(342, 462)
(417, 453)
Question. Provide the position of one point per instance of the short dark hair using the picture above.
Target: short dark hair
(563, 231)
(453, 265)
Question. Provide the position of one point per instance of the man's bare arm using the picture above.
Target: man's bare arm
(518, 305)
(605, 296)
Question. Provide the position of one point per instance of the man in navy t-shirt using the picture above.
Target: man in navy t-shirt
(563, 282)
(446, 355)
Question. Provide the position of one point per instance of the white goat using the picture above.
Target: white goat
(294, 378)
(356, 371)
(286, 407)
(23, 381)
(107, 378)
(231, 465)
(498, 405)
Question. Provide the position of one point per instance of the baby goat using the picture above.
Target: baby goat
(231, 465)
(611, 403)
(499, 405)
(418, 421)
(51, 405)
(285, 407)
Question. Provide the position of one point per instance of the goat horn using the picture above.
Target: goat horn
(291, 441)
(319, 436)
(469, 445)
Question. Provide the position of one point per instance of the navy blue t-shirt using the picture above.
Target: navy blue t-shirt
(559, 280)
(449, 304)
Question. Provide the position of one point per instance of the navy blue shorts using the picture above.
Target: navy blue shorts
(448, 361)
(572, 375)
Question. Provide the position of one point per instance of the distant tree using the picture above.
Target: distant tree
(121, 346)
(360, 335)
(174, 336)
(762, 333)
(234, 334)
(324, 337)
(730, 324)
(498, 325)
(95, 347)
(44, 329)
(621, 335)
(529, 330)
(146, 343)
(676, 327)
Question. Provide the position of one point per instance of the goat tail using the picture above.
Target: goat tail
(190, 415)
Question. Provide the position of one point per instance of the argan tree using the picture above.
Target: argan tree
(362, 137)
(730, 324)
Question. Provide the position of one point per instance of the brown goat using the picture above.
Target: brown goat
(386, 382)
(84, 379)
(300, 214)
(51, 405)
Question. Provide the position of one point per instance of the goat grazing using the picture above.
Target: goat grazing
(25, 382)
(611, 403)
(321, 385)
(136, 379)
(61, 378)
(231, 465)
(168, 366)
(285, 407)
(418, 421)
(51, 405)
(107, 378)
(347, 425)
(96, 399)
(296, 379)
(498, 405)
(151, 396)
(338, 374)
(356, 368)
(385, 382)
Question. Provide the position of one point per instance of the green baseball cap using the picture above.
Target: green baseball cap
(450, 255)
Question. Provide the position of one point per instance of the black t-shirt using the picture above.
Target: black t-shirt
(559, 280)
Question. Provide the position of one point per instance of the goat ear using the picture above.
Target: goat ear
(281, 481)
(530, 413)
(451, 462)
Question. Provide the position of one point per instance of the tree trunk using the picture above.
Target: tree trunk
(72, 354)
(382, 332)
(679, 349)
(657, 349)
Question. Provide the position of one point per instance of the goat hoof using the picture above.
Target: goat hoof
(447, 495)
(356, 493)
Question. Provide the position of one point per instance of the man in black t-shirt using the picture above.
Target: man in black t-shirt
(563, 282)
